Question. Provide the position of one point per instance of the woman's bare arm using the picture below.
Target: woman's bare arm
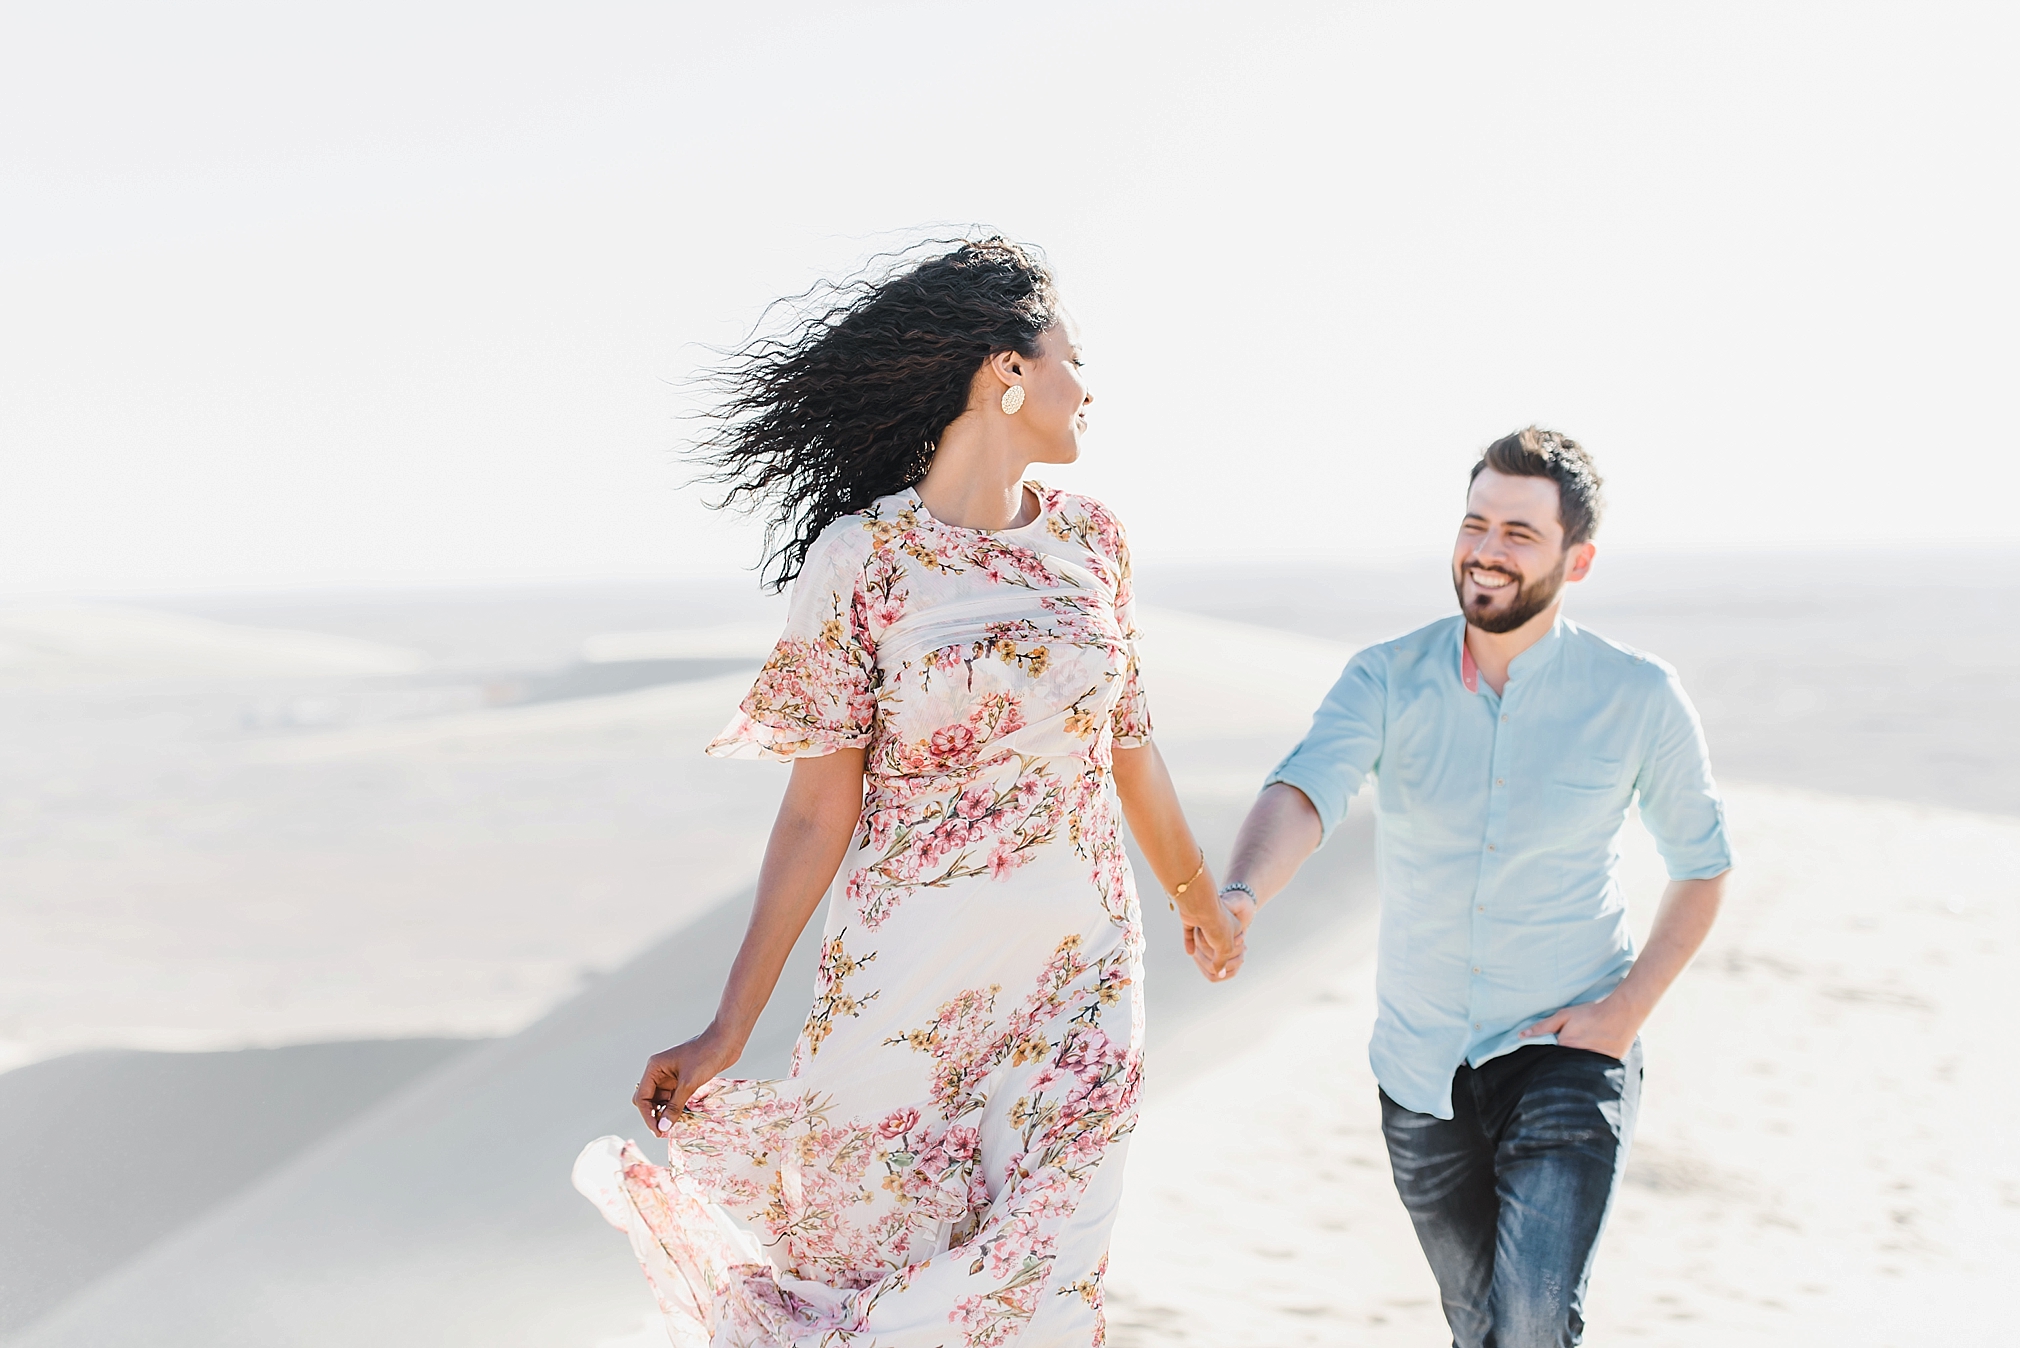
(809, 838)
(1157, 821)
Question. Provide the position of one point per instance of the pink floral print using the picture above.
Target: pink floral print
(972, 1058)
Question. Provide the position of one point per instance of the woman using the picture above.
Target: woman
(957, 692)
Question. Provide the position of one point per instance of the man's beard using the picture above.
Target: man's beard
(1531, 597)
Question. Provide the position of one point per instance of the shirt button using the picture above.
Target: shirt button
(1476, 1024)
(1483, 907)
(1476, 968)
(1504, 715)
(1490, 847)
(1499, 782)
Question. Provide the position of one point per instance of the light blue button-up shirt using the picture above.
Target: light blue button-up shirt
(1499, 824)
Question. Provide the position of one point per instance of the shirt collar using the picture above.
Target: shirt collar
(1542, 653)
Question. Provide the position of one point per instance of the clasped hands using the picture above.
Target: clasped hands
(1216, 931)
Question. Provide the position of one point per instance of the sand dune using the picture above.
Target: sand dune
(747, 639)
(456, 876)
(68, 643)
(388, 1201)
(595, 724)
(1821, 1155)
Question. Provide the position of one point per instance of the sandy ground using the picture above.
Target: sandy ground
(227, 830)
(1825, 1151)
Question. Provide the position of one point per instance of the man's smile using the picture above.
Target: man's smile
(1489, 580)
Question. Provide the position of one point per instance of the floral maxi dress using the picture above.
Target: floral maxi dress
(942, 1164)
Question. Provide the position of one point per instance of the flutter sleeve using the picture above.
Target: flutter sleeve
(1130, 720)
(818, 691)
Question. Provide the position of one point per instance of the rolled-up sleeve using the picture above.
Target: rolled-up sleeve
(1344, 744)
(1680, 804)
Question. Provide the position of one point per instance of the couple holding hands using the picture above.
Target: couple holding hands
(958, 693)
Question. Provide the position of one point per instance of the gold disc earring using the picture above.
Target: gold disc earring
(1013, 398)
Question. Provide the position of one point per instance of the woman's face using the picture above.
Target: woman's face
(1055, 396)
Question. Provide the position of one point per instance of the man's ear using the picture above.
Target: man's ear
(1581, 562)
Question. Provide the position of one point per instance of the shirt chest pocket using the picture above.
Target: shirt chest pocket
(1587, 788)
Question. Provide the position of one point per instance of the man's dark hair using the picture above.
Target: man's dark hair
(1539, 453)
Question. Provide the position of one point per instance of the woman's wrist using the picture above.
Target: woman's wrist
(723, 1040)
(1186, 893)
(1199, 900)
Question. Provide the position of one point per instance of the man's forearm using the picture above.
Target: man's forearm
(1689, 907)
(1282, 829)
(1609, 1025)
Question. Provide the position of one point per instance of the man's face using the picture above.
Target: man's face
(1510, 562)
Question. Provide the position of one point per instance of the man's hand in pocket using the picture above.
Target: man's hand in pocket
(1606, 1026)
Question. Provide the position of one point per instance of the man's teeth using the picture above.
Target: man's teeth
(1488, 580)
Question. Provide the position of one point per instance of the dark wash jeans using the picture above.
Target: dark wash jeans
(1510, 1194)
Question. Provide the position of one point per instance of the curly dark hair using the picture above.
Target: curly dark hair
(848, 402)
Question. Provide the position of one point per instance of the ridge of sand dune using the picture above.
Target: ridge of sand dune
(504, 730)
(64, 643)
(746, 640)
(451, 879)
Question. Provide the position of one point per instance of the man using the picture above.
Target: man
(1506, 745)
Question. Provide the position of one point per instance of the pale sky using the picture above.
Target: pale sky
(403, 293)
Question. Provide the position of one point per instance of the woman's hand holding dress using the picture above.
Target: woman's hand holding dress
(673, 1074)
